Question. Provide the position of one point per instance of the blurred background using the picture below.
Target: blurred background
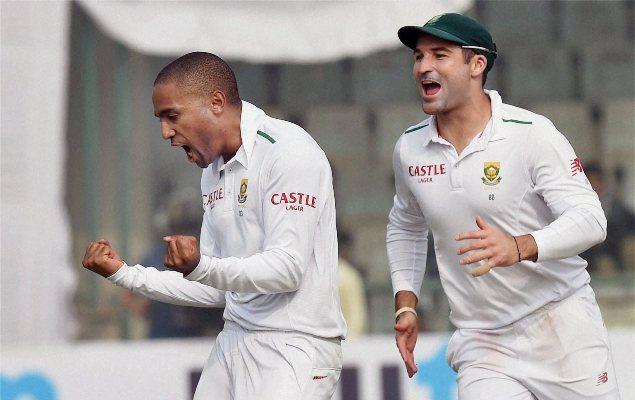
(83, 158)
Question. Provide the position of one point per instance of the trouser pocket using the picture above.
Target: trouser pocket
(322, 384)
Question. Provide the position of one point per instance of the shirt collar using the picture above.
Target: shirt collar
(496, 131)
(251, 117)
(493, 130)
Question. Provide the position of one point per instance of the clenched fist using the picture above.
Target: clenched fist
(182, 253)
(101, 258)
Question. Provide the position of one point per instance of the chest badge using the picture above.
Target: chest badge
(242, 194)
(491, 170)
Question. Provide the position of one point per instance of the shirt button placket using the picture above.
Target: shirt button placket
(456, 179)
(229, 189)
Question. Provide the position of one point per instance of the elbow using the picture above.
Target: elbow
(295, 278)
(292, 286)
(291, 279)
(600, 230)
(595, 225)
(603, 234)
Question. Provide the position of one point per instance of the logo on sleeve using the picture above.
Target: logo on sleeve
(576, 166)
(491, 170)
(426, 172)
(293, 201)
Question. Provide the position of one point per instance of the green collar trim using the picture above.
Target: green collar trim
(415, 129)
(518, 122)
(264, 135)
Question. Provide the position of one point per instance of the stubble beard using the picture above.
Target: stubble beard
(435, 107)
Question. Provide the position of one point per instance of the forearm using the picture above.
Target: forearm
(407, 252)
(272, 271)
(167, 287)
(405, 298)
(573, 232)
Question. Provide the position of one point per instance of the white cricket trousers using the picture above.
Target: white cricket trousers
(559, 352)
(270, 365)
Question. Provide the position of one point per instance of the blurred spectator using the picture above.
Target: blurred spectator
(610, 255)
(352, 293)
(181, 215)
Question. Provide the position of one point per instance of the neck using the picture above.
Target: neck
(234, 140)
(459, 125)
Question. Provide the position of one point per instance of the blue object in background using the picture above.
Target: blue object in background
(437, 376)
(31, 385)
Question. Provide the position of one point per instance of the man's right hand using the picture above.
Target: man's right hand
(101, 258)
(406, 330)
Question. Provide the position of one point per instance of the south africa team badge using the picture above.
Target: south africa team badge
(491, 169)
(242, 194)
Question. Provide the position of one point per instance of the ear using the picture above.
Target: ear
(478, 63)
(218, 101)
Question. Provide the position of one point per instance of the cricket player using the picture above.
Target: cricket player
(510, 208)
(268, 248)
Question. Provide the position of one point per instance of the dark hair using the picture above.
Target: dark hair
(201, 73)
(469, 53)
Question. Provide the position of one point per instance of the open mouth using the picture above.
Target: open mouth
(187, 149)
(430, 88)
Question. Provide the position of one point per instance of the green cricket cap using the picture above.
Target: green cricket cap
(455, 28)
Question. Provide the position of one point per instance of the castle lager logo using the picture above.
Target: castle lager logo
(210, 199)
(491, 169)
(294, 201)
(242, 194)
(424, 173)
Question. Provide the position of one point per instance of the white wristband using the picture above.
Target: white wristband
(405, 309)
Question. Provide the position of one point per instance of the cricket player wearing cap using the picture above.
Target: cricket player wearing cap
(268, 248)
(510, 208)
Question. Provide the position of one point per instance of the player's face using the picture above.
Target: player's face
(441, 74)
(188, 121)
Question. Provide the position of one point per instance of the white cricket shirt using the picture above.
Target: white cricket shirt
(268, 240)
(522, 176)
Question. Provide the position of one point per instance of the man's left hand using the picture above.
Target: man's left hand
(490, 244)
(182, 253)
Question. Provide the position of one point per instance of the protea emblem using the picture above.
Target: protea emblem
(242, 195)
(491, 169)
